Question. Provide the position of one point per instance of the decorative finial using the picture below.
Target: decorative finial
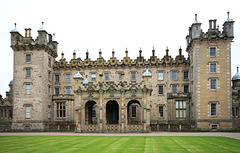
(228, 15)
(100, 53)
(140, 52)
(113, 52)
(153, 52)
(62, 55)
(237, 69)
(167, 50)
(126, 52)
(15, 25)
(195, 17)
(87, 54)
(180, 51)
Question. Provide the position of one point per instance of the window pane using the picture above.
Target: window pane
(160, 90)
(174, 88)
(185, 88)
(28, 58)
(67, 91)
(185, 75)
(213, 83)
(160, 75)
(119, 76)
(68, 78)
(184, 104)
(213, 68)
(28, 88)
(213, 109)
(134, 111)
(57, 91)
(56, 78)
(106, 76)
(93, 76)
(28, 73)
(160, 111)
(174, 75)
(133, 76)
(177, 111)
(177, 103)
(184, 113)
(28, 111)
(212, 52)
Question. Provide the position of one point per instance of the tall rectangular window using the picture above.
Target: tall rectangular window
(94, 111)
(67, 77)
(213, 68)
(57, 91)
(213, 109)
(28, 58)
(68, 91)
(212, 52)
(236, 111)
(213, 84)
(160, 111)
(61, 109)
(185, 88)
(134, 111)
(106, 77)
(93, 77)
(1, 114)
(49, 61)
(174, 75)
(28, 88)
(57, 78)
(119, 76)
(133, 76)
(28, 73)
(160, 75)
(185, 75)
(28, 112)
(181, 109)
(174, 88)
(160, 90)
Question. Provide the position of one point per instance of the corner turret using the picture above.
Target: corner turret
(228, 27)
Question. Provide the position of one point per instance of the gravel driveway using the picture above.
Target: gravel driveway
(215, 134)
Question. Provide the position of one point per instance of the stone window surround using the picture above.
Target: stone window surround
(212, 62)
(217, 108)
(163, 89)
(216, 50)
(162, 105)
(25, 84)
(25, 56)
(25, 106)
(209, 79)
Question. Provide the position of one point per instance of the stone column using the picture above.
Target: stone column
(101, 111)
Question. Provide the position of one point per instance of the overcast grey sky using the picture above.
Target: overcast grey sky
(106, 24)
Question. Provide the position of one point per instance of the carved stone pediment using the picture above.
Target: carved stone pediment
(90, 90)
(133, 90)
(111, 90)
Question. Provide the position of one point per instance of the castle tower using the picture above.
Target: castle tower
(210, 71)
(32, 79)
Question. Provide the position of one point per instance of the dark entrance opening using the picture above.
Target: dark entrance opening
(134, 112)
(112, 112)
(91, 112)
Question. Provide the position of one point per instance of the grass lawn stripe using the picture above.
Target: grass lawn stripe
(117, 144)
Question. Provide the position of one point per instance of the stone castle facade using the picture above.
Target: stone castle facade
(127, 95)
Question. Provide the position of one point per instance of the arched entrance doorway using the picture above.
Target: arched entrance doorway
(112, 112)
(91, 112)
(134, 112)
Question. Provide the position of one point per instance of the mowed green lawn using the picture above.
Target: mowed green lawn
(124, 144)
